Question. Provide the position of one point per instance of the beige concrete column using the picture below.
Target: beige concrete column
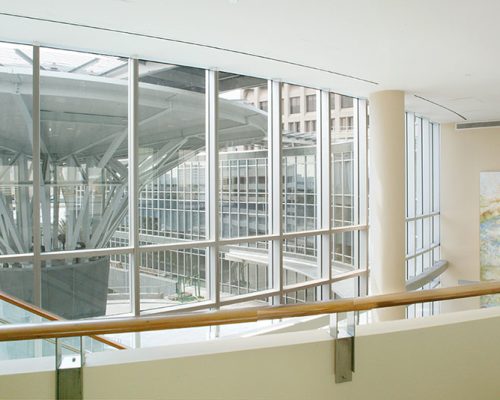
(387, 198)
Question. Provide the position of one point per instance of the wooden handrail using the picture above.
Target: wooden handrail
(139, 324)
(50, 316)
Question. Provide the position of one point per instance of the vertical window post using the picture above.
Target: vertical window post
(362, 187)
(212, 183)
(37, 271)
(133, 184)
(275, 269)
(324, 181)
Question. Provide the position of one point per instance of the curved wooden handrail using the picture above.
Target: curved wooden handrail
(139, 324)
(50, 316)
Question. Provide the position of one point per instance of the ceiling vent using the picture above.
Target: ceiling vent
(477, 125)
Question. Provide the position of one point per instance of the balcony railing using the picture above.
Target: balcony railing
(60, 329)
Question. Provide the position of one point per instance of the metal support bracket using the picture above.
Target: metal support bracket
(344, 359)
(69, 363)
(342, 328)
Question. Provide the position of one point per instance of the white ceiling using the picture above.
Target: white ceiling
(446, 51)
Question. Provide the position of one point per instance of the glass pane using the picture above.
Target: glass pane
(343, 253)
(20, 349)
(410, 166)
(427, 237)
(426, 166)
(435, 166)
(84, 287)
(172, 277)
(299, 160)
(171, 153)
(300, 259)
(343, 161)
(410, 268)
(243, 155)
(118, 301)
(435, 227)
(16, 279)
(341, 118)
(301, 296)
(346, 288)
(244, 268)
(16, 170)
(11, 314)
(84, 192)
(419, 264)
(418, 167)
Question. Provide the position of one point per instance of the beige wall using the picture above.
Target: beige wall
(31, 385)
(464, 154)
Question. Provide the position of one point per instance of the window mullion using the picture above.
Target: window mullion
(133, 184)
(324, 185)
(37, 272)
(275, 268)
(212, 185)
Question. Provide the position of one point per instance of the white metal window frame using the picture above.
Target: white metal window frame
(324, 231)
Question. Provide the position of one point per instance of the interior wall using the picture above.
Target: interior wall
(464, 154)
(30, 385)
(437, 362)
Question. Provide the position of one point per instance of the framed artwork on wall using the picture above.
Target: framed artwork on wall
(489, 232)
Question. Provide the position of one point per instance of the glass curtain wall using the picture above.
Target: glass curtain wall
(133, 217)
(16, 168)
(422, 204)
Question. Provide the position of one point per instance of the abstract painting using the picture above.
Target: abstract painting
(489, 232)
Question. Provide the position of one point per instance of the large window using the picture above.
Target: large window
(16, 169)
(164, 187)
(422, 204)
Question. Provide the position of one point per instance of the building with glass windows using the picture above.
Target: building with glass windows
(176, 158)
